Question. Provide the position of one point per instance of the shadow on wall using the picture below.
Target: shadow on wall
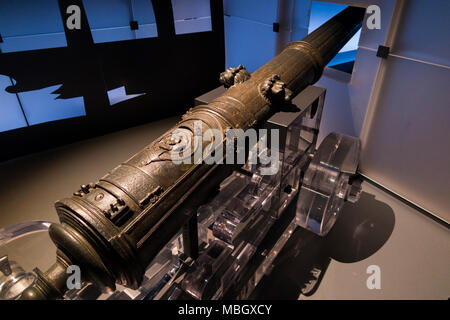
(58, 95)
(362, 230)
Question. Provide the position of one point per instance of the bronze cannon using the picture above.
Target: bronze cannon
(114, 228)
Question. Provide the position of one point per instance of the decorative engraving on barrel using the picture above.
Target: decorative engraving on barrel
(274, 91)
(161, 151)
(174, 141)
(151, 197)
(233, 76)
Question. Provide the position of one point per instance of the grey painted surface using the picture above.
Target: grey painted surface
(406, 132)
(413, 252)
(407, 148)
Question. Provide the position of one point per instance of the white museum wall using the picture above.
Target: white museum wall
(399, 106)
(406, 133)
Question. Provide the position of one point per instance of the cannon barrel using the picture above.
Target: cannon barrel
(113, 228)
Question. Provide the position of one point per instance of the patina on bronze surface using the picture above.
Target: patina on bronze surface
(113, 228)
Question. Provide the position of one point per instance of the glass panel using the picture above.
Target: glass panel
(326, 183)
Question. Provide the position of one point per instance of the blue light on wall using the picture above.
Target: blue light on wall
(191, 16)
(29, 25)
(110, 20)
(145, 16)
(34, 107)
(11, 114)
(249, 36)
(118, 95)
(322, 12)
(251, 41)
(43, 106)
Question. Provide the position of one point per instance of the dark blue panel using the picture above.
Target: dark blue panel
(146, 31)
(145, 16)
(143, 11)
(191, 16)
(29, 17)
(30, 25)
(108, 14)
(109, 20)
(35, 42)
(112, 34)
(11, 116)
